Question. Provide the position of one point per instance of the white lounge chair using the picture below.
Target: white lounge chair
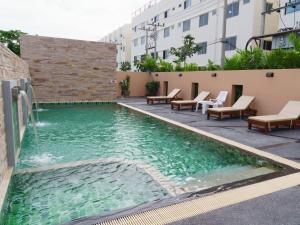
(215, 103)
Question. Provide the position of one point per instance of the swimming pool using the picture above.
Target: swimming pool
(121, 159)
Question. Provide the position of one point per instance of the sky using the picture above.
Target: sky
(76, 19)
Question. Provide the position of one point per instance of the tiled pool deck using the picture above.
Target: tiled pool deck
(279, 208)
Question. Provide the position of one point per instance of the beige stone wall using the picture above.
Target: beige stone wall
(11, 67)
(271, 93)
(67, 70)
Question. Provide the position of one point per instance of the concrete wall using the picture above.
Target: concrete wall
(65, 70)
(11, 67)
(271, 93)
(138, 81)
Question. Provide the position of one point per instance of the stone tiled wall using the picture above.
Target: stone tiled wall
(11, 67)
(67, 70)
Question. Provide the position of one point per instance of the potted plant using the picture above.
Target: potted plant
(125, 85)
(152, 88)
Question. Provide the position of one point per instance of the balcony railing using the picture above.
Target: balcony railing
(148, 5)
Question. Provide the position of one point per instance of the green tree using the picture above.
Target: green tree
(188, 49)
(11, 40)
(125, 66)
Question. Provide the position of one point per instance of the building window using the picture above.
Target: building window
(203, 20)
(143, 40)
(135, 28)
(233, 9)
(230, 43)
(203, 48)
(267, 45)
(166, 14)
(156, 18)
(186, 25)
(135, 59)
(187, 4)
(135, 42)
(246, 1)
(293, 8)
(166, 54)
(167, 32)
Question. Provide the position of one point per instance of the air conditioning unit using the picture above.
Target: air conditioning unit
(282, 42)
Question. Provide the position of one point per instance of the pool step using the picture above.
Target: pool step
(224, 176)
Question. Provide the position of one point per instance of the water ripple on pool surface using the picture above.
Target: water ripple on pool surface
(91, 132)
(62, 195)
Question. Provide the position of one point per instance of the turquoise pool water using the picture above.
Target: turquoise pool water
(71, 133)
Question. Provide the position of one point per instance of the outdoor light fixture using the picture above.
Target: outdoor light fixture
(214, 75)
(270, 74)
(156, 75)
(180, 75)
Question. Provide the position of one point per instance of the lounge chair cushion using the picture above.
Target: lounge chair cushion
(292, 108)
(170, 96)
(272, 118)
(242, 104)
(202, 96)
(174, 93)
(291, 111)
(185, 102)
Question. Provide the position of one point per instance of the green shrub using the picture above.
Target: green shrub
(252, 59)
(232, 63)
(152, 88)
(164, 66)
(125, 85)
(211, 66)
(179, 68)
(147, 65)
(275, 59)
(246, 60)
(292, 59)
(125, 66)
(191, 67)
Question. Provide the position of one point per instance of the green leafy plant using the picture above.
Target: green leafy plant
(211, 66)
(294, 39)
(232, 63)
(178, 67)
(11, 39)
(148, 64)
(275, 59)
(191, 67)
(125, 66)
(188, 49)
(152, 88)
(125, 85)
(254, 58)
(164, 66)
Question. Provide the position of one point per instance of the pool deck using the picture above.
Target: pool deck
(278, 208)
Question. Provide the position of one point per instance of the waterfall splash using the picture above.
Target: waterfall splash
(29, 106)
(35, 103)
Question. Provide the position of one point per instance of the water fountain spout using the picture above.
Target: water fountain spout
(29, 106)
(35, 102)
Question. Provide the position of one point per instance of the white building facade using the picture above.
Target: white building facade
(290, 17)
(122, 38)
(202, 19)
